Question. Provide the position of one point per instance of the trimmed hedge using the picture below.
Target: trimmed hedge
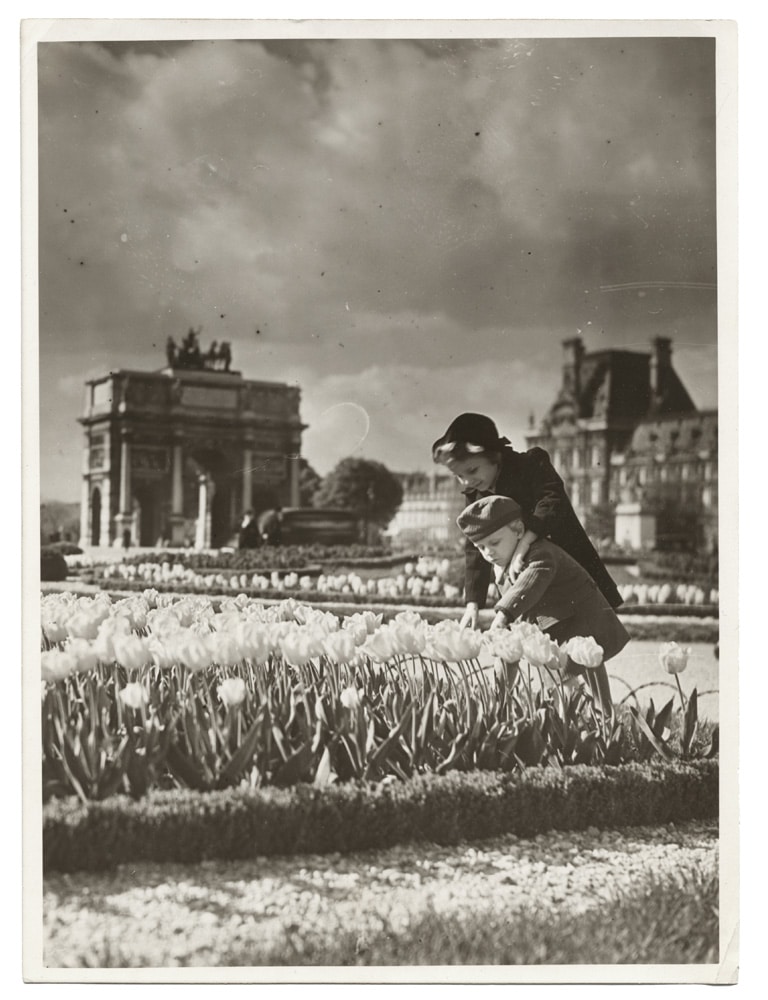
(236, 823)
(285, 558)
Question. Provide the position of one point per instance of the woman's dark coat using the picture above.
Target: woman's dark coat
(530, 478)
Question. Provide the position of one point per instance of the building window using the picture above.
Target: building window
(596, 492)
(576, 458)
(597, 454)
(642, 474)
(576, 494)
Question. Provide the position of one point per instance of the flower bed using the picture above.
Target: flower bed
(422, 581)
(156, 691)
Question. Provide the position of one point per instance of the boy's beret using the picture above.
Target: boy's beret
(487, 515)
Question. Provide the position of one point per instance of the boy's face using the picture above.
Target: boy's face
(498, 547)
(477, 472)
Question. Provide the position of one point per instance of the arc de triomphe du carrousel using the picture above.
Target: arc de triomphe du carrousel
(176, 456)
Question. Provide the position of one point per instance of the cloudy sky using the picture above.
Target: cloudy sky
(404, 228)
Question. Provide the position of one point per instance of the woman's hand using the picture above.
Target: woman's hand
(499, 620)
(517, 565)
(471, 617)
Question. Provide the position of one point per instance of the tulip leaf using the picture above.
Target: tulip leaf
(649, 734)
(454, 754)
(662, 719)
(183, 767)
(691, 721)
(242, 757)
(324, 773)
(384, 748)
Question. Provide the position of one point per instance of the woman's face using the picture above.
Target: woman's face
(475, 472)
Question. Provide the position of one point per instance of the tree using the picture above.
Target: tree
(364, 486)
(309, 483)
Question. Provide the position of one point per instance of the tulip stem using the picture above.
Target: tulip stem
(680, 689)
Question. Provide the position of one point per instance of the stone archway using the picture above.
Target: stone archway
(217, 492)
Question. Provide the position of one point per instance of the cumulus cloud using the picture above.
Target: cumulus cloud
(386, 214)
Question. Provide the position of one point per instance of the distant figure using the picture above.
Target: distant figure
(271, 526)
(248, 536)
(212, 359)
(170, 351)
(126, 538)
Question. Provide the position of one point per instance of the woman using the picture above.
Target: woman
(485, 463)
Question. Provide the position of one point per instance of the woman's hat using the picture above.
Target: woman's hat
(487, 515)
(472, 432)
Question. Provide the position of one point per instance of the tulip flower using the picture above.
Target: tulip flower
(224, 648)
(232, 691)
(542, 651)
(300, 645)
(504, 644)
(340, 647)
(253, 641)
(192, 651)
(83, 625)
(133, 696)
(54, 631)
(84, 652)
(408, 635)
(56, 664)
(584, 651)
(131, 652)
(350, 698)
(447, 643)
(380, 646)
(673, 657)
(162, 652)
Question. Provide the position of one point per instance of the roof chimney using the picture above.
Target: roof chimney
(573, 354)
(660, 365)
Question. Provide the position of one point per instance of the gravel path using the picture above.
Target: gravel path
(192, 915)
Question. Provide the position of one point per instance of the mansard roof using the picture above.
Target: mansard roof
(617, 386)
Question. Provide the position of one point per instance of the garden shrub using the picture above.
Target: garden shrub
(53, 565)
(238, 823)
(65, 548)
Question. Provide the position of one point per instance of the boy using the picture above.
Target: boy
(552, 589)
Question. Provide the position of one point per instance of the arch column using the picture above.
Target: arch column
(203, 527)
(124, 520)
(177, 494)
(247, 478)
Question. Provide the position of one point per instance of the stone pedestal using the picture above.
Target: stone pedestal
(635, 526)
(177, 524)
